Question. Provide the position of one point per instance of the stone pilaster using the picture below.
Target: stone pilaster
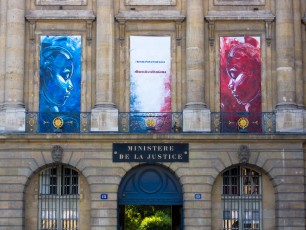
(12, 115)
(288, 117)
(104, 116)
(196, 115)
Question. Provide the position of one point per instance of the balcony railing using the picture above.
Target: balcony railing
(243, 122)
(151, 122)
(58, 122)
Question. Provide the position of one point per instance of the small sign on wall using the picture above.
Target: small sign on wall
(104, 196)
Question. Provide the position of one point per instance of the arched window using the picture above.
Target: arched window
(59, 198)
(241, 199)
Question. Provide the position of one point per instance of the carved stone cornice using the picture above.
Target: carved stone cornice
(265, 16)
(155, 15)
(66, 15)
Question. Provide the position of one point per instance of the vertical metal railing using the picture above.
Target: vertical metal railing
(48, 205)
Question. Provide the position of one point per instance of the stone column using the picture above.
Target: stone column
(196, 115)
(288, 117)
(298, 27)
(104, 115)
(13, 112)
(3, 9)
(303, 6)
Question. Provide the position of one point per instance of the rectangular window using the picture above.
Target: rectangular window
(70, 182)
(231, 182)
(48, 182)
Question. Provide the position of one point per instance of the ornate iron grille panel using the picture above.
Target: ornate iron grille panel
(150, 122)
(243, 122)
(58, 122)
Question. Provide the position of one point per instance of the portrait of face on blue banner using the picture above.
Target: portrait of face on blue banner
(60, 83)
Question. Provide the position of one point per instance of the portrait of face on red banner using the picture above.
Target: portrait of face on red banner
(240, 74)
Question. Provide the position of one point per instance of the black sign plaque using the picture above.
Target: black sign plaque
(126, 152)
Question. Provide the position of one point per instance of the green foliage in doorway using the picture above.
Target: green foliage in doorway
(147, 217)
(159, 221)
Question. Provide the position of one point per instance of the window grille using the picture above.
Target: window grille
(59, 199)
(242, 199)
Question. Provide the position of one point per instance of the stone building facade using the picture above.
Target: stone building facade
(241, 179)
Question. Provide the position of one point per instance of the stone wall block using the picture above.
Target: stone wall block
(196, 120)
(104, 120)
(100, 213)
(12, 120)
(290, 121)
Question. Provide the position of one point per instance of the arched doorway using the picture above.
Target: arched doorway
(148, 196)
